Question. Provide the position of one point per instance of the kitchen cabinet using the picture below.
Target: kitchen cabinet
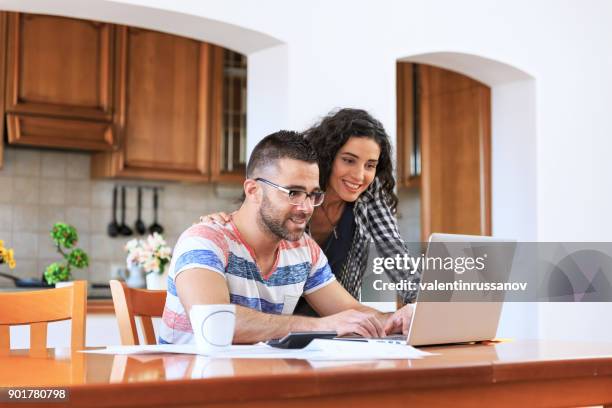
(150, 105)
(60, 82)
(169, 104)
(228, 147)
(453, 122)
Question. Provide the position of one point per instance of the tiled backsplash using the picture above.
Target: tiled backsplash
(41, 187)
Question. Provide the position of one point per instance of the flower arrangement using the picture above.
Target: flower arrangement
(151, 254)
(7, 255)
(65, 236)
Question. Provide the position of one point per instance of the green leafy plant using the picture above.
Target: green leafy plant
(65, 238)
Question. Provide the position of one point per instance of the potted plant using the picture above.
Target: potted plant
(65, 237)
(151, 256)
(7, 255)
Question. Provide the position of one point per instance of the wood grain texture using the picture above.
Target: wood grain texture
(165, 120)
(3, 28)
(59, 82)
(405, 120)
(59, 132)
(37, 308)
(162, 101)
(216, 112)
(506, 374)
(5, 339)
(131, 303)
(100, 306)
(219, 92)
(456, 154)
(59, 66)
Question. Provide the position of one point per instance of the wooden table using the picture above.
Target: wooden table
(505, 374)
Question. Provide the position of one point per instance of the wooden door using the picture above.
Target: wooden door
(60, 82)
(456, 153)
(406, 126)
(2, 76)
(167, 114)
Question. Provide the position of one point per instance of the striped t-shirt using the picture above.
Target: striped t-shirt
(300, 268)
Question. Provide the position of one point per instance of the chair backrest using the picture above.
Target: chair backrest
(131, 302)
(39, 307)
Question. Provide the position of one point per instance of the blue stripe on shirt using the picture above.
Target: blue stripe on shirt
(320, 276)
(257, 304)
(202, 257)
(284, 275)
(171, 286)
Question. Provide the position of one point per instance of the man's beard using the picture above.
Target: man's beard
(275, 225)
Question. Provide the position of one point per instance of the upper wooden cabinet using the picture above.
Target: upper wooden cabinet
(59, 88)
(154, 105)
(167, 116)
(228, 148)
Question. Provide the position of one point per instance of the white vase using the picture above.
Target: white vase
(135, 279)
(156, 281)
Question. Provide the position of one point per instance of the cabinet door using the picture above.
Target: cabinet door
(456, 154)
(228, 144)
(167, 111)
(60, 69)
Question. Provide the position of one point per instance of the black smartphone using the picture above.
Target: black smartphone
(300, 340)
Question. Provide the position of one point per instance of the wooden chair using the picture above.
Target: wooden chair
(129, 303)
(39, 307)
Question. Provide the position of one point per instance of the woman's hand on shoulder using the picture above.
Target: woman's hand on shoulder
(219, 218)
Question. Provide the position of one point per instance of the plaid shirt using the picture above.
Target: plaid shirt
(375, 224)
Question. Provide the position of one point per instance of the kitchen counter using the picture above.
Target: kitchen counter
(92, 293)
(100, 306)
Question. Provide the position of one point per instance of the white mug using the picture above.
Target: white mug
(213, 326)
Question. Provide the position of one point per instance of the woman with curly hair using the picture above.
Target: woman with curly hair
(356, 173)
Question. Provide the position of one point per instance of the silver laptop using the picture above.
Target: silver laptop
(455, 320)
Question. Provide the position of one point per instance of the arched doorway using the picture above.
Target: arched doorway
(513, 164)
(513, 138)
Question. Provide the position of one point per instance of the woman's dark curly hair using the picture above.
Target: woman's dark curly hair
(328, 136)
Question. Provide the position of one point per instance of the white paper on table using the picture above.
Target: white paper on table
(317, 350)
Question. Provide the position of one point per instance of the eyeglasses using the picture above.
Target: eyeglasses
(297, 197)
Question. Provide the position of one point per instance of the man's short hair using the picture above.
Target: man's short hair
(284, 144)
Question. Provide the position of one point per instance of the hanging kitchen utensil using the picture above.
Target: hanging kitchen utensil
(155, 227)
(113, 227)
(123, 228)
(139, 225)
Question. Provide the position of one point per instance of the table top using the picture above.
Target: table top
(454, 365)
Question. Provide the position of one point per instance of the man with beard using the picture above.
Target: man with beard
(262, 261)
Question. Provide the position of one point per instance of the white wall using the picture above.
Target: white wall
(343, 53)
(514, 198)
(267, 77)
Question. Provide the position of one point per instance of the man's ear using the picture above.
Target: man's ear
(251, 188)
